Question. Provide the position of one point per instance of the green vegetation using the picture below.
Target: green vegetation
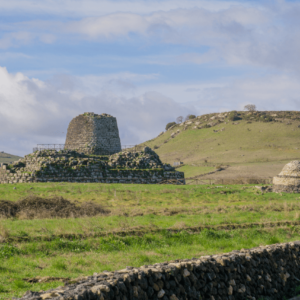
(190, 171)
(70, 259)
(256, 138)
(147, 223)
(170, 125)
(7, 158)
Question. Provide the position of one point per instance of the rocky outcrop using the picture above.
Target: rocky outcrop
(71, 166)
(270, 272)
(288, 179)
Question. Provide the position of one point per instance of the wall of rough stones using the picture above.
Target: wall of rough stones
(288, 180)
(71, 166)
(93, 134)
(270, 272)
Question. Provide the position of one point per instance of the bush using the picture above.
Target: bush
(155, 147)
(192, 117)
(233, 115)
(170, 125)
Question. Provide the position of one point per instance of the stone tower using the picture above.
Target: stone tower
(93, 134)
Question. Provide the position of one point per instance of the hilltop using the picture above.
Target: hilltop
(259, 142)
(8, 158)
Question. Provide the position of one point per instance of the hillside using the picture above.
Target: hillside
(255, 143)
(7, 158)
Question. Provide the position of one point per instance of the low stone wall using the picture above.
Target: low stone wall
(270, 272)
(94, 175)
(71, 166)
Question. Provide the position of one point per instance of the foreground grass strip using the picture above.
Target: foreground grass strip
(145, 230)
(70, 259)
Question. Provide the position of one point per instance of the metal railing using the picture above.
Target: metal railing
(76, 147)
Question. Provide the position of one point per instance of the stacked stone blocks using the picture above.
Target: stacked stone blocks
(71, 166)
(93, 134)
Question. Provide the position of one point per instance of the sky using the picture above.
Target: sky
(145, 62)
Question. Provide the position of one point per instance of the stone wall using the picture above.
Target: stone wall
(270, 272)
(93, 134)
(71, 166)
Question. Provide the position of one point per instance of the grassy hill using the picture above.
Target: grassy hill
(261, 142)
(7, 158)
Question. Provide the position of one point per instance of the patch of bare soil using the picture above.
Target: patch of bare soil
(34, 207)
(45, 279)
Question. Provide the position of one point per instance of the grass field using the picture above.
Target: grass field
(7, 158)
(260, 148)
(146, 224)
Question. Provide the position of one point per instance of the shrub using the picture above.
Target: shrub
(155, 147)
(170, 125)
(192, 117)
(233, 115)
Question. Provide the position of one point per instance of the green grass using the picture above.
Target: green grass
(134, 207)
(190, 171)
(71, 259)
(6, 158)
(257, 142)
(149, 207)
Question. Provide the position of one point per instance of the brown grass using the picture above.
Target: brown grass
(4, 232)
(33, 207)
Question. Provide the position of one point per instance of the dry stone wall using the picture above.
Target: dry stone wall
(71, 166)
(270, 272)
(93, 134)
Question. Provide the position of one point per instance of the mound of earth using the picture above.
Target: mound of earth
(34, 207)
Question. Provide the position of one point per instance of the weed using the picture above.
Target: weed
(59, 265)
(3, 289)
(20, 284)
(7, 251)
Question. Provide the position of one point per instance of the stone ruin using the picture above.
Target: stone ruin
(72, 166)
(266, 272)
(93, 134)
(288, 180)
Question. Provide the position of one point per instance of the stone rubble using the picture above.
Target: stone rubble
(71, 166)
(288, 180)
(266, 272)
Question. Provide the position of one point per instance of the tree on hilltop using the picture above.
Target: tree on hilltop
(179, 119)
(250, 107)
(170, 125)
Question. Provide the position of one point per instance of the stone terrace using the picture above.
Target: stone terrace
(71, 166)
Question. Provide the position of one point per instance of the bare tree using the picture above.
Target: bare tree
(179, 119)
(250, 107)
(187, 118)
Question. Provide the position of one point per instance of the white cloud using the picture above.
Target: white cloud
(79, 8)
(239, 34)
(35, 112)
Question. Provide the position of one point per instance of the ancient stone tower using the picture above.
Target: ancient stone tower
(93, 134)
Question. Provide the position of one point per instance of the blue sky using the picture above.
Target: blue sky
(145, 62)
